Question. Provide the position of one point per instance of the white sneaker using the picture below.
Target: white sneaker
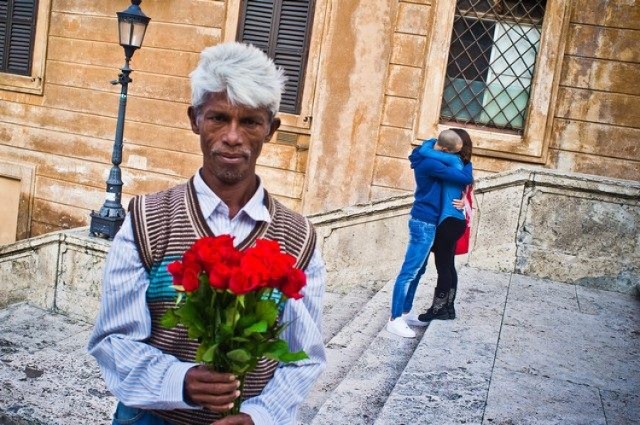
(412, 319)
(399, 327)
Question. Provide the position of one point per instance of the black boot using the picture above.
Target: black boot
(450, 304)
(438, 310)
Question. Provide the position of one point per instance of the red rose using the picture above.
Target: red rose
(190, 280)
(239, 283)
(292, 285)
(176, 269)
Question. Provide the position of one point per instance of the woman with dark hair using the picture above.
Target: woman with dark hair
(451, 226)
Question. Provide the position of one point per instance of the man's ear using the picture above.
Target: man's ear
(193, 119)
(275, 125)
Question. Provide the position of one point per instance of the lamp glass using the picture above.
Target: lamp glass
(137, 34)
(131, 32)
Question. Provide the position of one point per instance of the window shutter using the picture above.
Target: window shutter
(17, 28)
(258, 20)
(281, 28)
(291, 49)
(3, 31)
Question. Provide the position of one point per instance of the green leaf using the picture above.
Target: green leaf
(199, 353)
(247, 320)
(276, 348)
(194, 333)
(240, 339)
(169, 319)
(209, 355)
(241, 300)
(293, 357)
(258, 327)
(240, 370)
(267, 311)
(239, 356)
(188, 313)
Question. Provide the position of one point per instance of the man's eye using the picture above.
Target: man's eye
(217, 118)
(251, 122)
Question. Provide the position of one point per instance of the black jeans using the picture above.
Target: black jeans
(447, 234)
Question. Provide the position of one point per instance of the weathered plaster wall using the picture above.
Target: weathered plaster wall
(596, 129)
(67, 132)
(349, 103)
(369, 69)
(596, 124)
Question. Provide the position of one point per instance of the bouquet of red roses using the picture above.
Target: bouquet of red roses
(229, 300)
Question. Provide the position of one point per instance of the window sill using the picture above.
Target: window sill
(295, 123)
(21, 83)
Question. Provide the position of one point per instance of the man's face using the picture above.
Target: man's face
(231, 138)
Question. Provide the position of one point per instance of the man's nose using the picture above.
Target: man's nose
(232, 135)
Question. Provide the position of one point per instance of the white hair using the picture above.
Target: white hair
(244, 72)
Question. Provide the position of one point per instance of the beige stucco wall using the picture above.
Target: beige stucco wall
(368, 67)
(10, 189)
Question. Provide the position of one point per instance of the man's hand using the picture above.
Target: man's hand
(458, 204)
(211, 390)
(240, 419)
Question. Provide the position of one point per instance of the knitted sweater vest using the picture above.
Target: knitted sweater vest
(165, 225)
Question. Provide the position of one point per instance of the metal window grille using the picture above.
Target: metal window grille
(491, 62)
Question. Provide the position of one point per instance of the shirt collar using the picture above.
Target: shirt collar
(210, 202)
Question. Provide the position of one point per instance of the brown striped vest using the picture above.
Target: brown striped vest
(165, 225)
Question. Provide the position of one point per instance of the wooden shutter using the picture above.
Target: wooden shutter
(282, 29)
(17, 29)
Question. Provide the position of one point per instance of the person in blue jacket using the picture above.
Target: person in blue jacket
(430, 174)
(451, 226)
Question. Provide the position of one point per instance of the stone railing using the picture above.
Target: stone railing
(60, 271)
(565, 227)
(570, 228)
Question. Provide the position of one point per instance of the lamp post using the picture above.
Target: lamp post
(132, 25)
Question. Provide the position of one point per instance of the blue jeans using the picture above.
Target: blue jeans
(126, 415)
(421, 235)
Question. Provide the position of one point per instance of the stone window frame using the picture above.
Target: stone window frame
(301, 122)
(533, 145)
(26, 174)
(33, 83)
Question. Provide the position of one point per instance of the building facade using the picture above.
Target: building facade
(538, 84)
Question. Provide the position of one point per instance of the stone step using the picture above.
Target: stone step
(360, 323)
(363, 390)
(339, 308)
(359, 357)
(448, 377)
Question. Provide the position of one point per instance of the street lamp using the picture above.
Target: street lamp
(132, 25)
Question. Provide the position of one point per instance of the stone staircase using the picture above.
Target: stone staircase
(503, 346)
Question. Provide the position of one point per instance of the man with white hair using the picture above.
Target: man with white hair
(236, 91)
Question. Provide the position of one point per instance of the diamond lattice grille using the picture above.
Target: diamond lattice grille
(494, 45)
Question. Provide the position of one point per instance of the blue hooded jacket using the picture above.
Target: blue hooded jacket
(429, 174)
(450, 190)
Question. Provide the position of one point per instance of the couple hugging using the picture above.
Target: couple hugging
(443, 174)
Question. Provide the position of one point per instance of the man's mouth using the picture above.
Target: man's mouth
(231, 158)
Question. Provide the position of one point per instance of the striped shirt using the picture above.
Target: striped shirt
(140, 375)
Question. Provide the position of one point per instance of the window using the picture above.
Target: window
(282, 29)
(493, 67)
(491, 62)
(24, 25)
(17, 30)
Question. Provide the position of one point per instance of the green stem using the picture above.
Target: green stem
(238, 401)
